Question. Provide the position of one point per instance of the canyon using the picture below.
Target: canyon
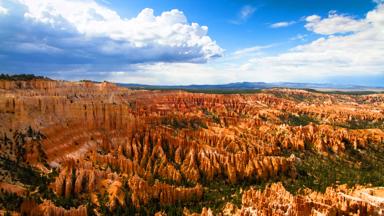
(87, 148)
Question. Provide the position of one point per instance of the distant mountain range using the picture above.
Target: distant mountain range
(260, 85)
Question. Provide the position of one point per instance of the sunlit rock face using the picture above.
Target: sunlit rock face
(120, 148)
(275, 200)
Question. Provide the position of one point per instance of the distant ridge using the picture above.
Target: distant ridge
(259, 85)
(22, 77)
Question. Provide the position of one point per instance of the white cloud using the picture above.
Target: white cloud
(313, 18)
(282, 24)
(244, 14)
(106, 2)
(170, 30)
(175, 74)
(335, 23)
(251, 50)
(301, 37)
(357, 54)
(347, 47)
(3, 10)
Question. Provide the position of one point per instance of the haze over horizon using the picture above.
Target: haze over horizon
(195, 42)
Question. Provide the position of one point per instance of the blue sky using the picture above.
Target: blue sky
(195, 41)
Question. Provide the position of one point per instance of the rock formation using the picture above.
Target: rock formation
(136, 146)
(275, 200)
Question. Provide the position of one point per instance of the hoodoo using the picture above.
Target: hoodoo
(84, 148)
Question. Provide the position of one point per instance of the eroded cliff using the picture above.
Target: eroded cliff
(105, 149)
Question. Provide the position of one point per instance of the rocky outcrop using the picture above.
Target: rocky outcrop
(142, 192)
(48, 208)
(204, 212)
(145, 146)
(275, 200)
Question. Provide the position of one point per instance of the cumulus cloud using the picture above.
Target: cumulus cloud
(356, 56)
(94, 42)
(357, 53)
(335, 23)
(85, 32)
(282, 24)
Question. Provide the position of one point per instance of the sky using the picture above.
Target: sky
(168, 42)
